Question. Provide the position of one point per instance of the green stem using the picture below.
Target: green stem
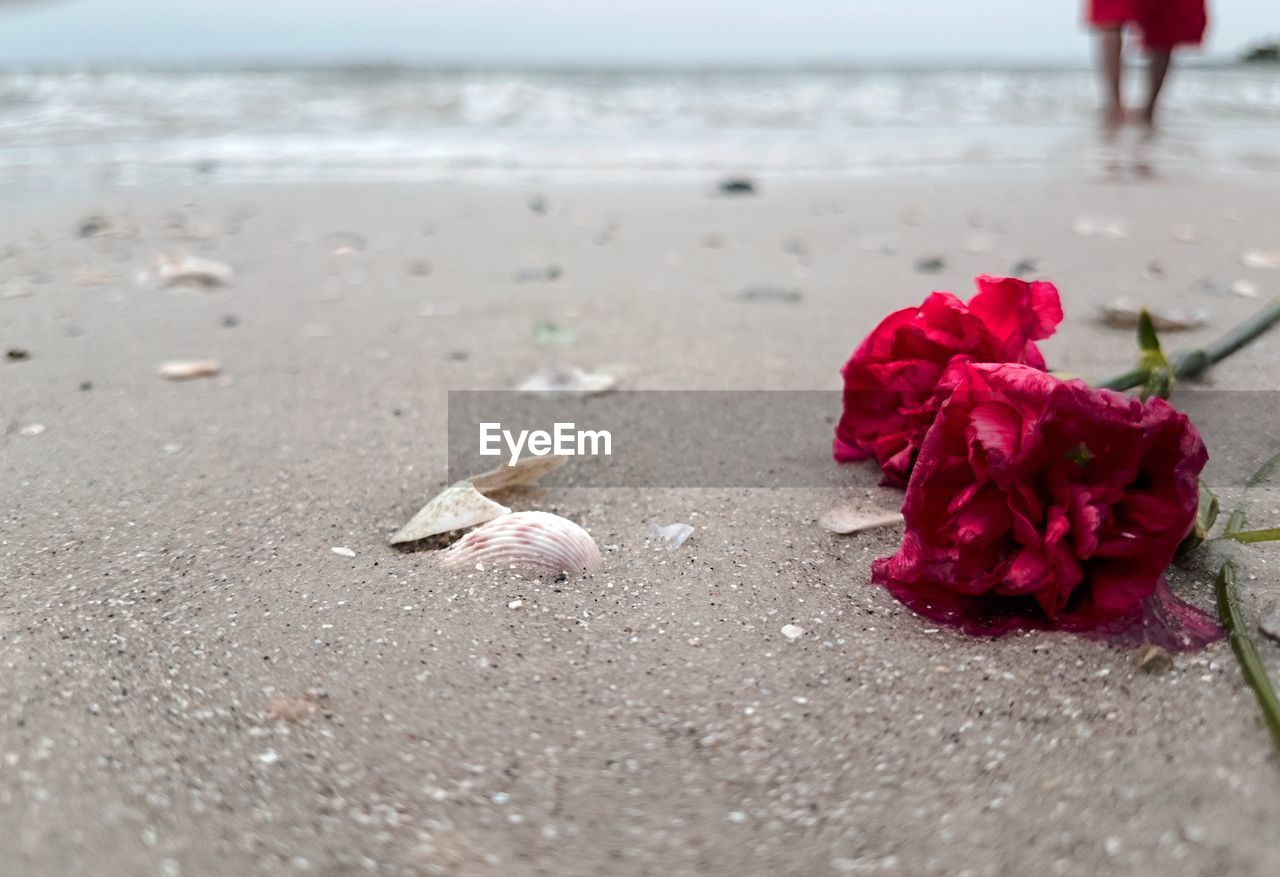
(1255, 675)
(1192, 363)
(1235, 524)
(1271, 534)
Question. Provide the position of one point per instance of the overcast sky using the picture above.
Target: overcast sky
(549, 31)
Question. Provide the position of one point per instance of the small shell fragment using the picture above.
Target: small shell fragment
(192, 271)
(1244, 288)
(1261, 258)
(845, 520)
(455, 508)
(568, 379)
(190, 369)
(672, 535)
(1153, 659)
(1124, 313)
(525, 473)
(537, 541)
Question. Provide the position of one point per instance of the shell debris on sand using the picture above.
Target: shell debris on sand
(466, 503)
(172, 270)
(1261, 258)
(525, 473)
(537, 541)
(845, 520)
(1124, 313)
(672, 535)
(455, 508)
(568, 379)
(1153, 659)
(189, 369)
(1244, 288)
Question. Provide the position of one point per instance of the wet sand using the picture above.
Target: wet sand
(195, 683)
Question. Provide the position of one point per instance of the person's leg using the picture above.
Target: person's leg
(1157, 70)
(1111, 66)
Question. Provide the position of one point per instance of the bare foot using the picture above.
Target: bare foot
(1113, 119)
(1147, 123)
(1143, 154)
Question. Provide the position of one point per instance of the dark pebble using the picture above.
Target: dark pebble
(737, 186)
(17, 354)
(93, 225)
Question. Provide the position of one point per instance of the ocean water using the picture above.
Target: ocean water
(124, 127)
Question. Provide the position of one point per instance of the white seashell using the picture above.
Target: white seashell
(194, 270)
(845, 520)
(1124, 313)
(672, 535)
(1261, 258)
(189, 369)
(530, 540)
(1245, 288)
(455, 508)
(525, 473)
(568, 380)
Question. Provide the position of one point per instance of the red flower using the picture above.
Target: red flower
(1041, 503)
(897, 377)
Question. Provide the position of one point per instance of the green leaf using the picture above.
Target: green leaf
(1158, 374)
(1235, 524)
(1148, 342)
(1251, 666)
(1264, 472)
(1270, 534)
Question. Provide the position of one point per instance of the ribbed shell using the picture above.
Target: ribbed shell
(527, 540)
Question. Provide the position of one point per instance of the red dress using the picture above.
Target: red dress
(1164, 23)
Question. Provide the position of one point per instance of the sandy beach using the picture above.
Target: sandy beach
(196, 683)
